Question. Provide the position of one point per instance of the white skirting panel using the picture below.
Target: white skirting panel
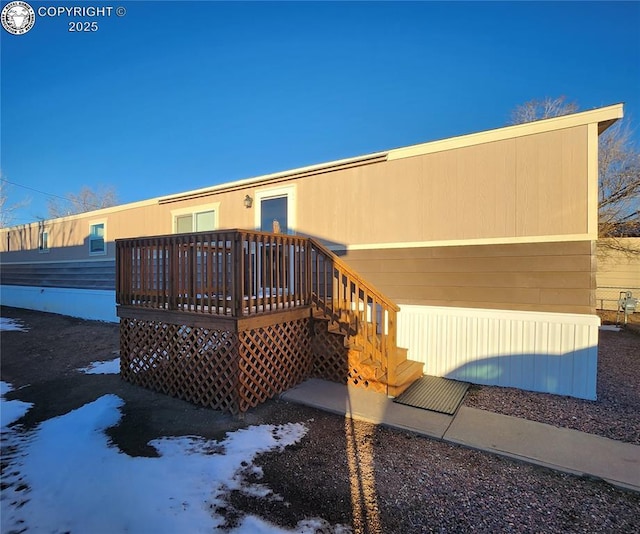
(94, 304)
(548, 352)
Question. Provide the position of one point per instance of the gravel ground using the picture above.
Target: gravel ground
(356, 476)
(616, 412)
(379, 480)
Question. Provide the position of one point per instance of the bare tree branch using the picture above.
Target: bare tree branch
(7, 211)
(618, 181)
(535, 110)
(85, 200)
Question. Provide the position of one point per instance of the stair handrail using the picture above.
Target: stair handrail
(390, 304)
(382, 350)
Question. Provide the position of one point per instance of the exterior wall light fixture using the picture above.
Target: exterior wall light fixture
(248, 201)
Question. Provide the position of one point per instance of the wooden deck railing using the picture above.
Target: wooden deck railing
(239, 273)
(232, 273)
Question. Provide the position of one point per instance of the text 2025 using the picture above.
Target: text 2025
(83, 26)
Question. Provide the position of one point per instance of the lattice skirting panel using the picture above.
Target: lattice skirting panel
(272, 360)
(335, 362)
(229, 371)
(192, 363)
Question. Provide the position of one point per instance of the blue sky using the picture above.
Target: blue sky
(182, 95)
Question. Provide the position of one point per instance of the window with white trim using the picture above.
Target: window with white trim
(195, 220)
(276, 209)
(97, 238)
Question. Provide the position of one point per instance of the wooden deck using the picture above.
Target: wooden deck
(229, 319)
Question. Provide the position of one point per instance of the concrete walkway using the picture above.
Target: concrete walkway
(562, 449)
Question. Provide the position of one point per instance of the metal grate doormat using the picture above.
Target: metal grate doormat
(434, 393)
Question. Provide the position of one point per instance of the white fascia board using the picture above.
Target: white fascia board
(596, 116)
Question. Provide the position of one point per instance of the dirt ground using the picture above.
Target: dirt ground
(370, 478)
(47, 358)
(633, 320)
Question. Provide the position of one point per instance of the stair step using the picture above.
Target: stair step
(352, 344)
(335, 328)
(371, 363)
(341, 326)
(354, 356)
(401, 355)
(337, 316)
(405, 374)
(372, 369)
(318, 313)
(407, 368)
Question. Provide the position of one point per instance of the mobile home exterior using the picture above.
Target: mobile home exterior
(487, 242)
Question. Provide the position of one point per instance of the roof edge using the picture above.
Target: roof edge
(93, 214)
(292, 174)
(604, 116)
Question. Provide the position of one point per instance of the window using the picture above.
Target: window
(97, 239)
(43, 241)
(184, 224)
(273, 215)
(200, 220)
(205, 220)
(276, 209)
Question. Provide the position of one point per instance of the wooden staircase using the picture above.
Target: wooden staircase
(366, 320)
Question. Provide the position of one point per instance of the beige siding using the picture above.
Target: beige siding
(551, 277)
(617, 272)
(525, 187)
(530, 186)
(68, 238)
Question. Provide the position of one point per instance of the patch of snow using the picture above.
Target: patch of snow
(610, 328)
(5, 387)
(11, 410)
(111, 367)
(256, 525)
(7, 324)
(66, 476)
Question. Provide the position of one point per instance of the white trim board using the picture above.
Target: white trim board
(466, 242)
(596, 116)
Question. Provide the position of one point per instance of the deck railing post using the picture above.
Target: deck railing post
(238, 268)
(118, 272)
(173, 273)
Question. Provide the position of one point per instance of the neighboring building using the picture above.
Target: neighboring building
(486, 241)
(618, 270)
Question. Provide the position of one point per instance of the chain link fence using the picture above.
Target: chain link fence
(607, 297)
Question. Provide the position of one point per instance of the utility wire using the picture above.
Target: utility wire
(66, 199)
(36, 190)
